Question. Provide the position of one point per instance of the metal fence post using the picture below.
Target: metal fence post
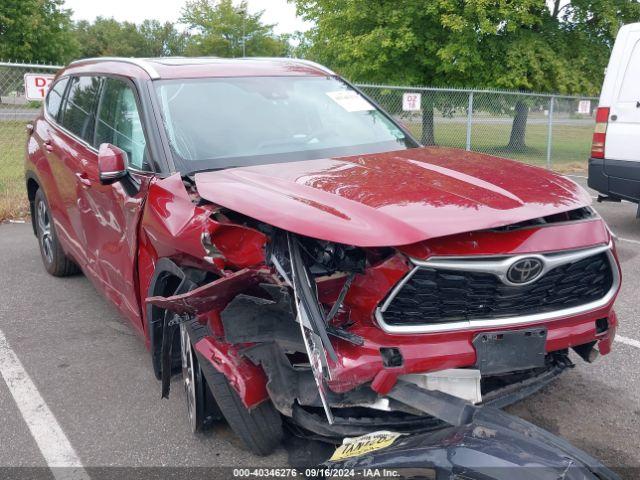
(550, 131)
(469, 118)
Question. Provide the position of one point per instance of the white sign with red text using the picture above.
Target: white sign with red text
(411, 102)
(584, 107)
(36, 85)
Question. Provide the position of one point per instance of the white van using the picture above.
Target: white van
(614, 166)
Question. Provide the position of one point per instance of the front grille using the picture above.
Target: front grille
(436, 296)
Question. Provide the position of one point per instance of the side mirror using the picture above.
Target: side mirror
(112, 163)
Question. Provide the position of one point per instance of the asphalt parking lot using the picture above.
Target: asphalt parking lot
(93, 374)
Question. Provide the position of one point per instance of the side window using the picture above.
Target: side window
(119, 122)
(77, 114)
(630, 89)
(54, 98)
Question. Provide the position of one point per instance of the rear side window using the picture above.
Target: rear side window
(54, 99)
(630, 90)
(77, 113)
(119, 122)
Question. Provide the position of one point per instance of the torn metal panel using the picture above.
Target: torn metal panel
(212, 296)
(247, 379)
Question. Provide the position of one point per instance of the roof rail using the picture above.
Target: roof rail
(291, 59)
(315, 64)
(140, 62)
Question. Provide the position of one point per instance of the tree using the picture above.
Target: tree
(161, 40)
(223, 29)
(108, 37)
(500, 44)
(566, 52)
(412, 42)
(38, 31)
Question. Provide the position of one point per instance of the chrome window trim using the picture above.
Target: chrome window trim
(496, 265)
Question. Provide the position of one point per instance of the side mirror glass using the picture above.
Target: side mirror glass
(112, 163)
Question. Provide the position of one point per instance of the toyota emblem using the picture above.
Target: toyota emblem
(525, 270)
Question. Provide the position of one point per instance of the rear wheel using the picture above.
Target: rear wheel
(55, 260)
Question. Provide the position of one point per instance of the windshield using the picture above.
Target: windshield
(216, 123)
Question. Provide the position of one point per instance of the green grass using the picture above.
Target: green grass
(13, 196)
(570, 144)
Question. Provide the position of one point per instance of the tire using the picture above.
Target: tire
(56, 262)
(259, 429)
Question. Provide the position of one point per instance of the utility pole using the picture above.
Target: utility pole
(244, 38)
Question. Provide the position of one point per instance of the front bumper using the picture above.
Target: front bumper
(439, 351)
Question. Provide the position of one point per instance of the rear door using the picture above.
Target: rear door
(623, 130)
(56, 185)
(69, 142)
(112, 212)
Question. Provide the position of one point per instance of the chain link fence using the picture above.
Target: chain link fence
(546, 130)
(15, 111)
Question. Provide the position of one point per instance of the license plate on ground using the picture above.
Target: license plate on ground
(511, 350)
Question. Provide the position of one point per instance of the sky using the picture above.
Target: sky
(275, 11)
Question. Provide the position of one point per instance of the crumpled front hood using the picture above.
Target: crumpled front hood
(392, 198)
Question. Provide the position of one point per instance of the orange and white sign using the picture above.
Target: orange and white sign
(36, 85)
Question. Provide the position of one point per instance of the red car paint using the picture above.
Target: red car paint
(394, 198)
(425, 202)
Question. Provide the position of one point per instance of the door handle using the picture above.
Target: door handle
(83, 179)
(48, 145)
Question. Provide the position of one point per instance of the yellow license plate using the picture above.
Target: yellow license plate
(354, 447)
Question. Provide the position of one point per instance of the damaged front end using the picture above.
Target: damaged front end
(348, 340)
(293, 330)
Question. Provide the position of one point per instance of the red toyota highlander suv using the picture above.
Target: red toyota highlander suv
(290, 248)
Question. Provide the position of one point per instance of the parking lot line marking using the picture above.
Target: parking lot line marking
(627, 341)
(630, 240)
(56, 449)
(576, 176)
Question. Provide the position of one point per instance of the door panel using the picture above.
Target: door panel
(110, 219)
(66, 152)
(623, 130)
(111, 214)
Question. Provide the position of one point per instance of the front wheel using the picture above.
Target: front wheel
(260, 429)
(55, 260)
(201, 408)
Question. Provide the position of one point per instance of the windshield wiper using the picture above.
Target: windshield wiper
(213, 169)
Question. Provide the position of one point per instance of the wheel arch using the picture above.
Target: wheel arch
(32, 185)
(165, 270)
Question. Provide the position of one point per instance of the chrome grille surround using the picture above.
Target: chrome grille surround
(498, 266)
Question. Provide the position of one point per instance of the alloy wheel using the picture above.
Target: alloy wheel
(44, 230)
(188, 376)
